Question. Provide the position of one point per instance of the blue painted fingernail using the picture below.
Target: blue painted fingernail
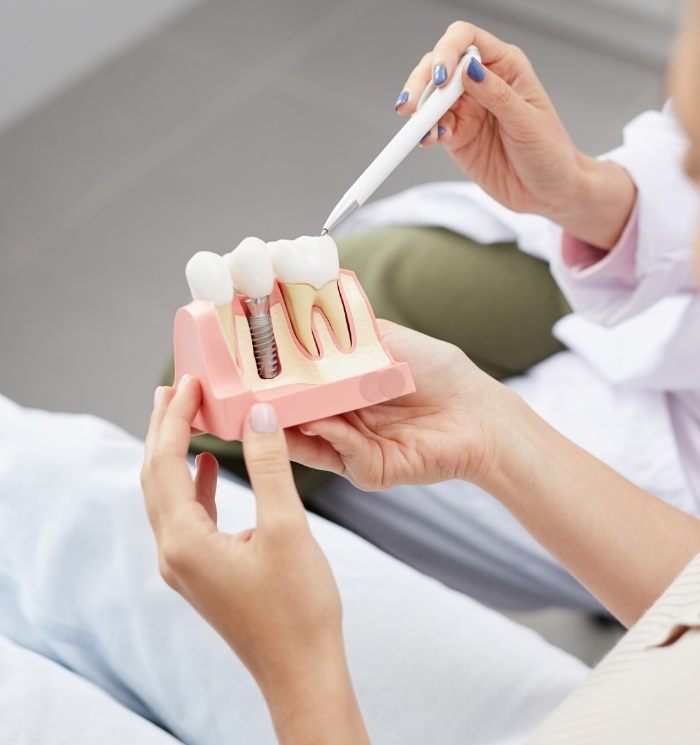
(476, 70)
(401, 100)
(439, 74)
(441, 131)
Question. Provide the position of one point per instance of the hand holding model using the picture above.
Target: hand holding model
(268, 591)
(442, 431)
(506, 135)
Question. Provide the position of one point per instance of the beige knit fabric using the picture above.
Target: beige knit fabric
(646, 690)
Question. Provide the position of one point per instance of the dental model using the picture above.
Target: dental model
(209, 279)
(253, 276)
(298, 332)
(308, 270)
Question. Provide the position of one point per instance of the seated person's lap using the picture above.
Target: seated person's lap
(81, 558)
(42, 703)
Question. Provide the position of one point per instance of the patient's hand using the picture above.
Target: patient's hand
(268, 591)
(445, 430)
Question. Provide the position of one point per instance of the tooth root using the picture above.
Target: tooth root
(299, 299)
(226, 318)
(329, 301)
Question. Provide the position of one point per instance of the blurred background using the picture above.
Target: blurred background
(136, 132)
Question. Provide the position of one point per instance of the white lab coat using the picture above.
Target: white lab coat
(638, 329)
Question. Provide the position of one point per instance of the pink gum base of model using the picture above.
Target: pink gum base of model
(201, 350)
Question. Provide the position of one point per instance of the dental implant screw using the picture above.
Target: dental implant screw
(263, 336)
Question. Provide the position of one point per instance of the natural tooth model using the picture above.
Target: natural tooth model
(253, 276)
(209, 279)
(307, 270)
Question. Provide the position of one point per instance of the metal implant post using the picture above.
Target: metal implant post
(263, 336)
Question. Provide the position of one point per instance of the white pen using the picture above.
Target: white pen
(433, 105)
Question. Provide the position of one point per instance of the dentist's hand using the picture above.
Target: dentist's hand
(268, 591)
(506, 135)
(448, 429)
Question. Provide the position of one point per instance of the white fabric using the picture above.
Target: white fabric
(621, 353)
(79, 582)
(655, 314)
(654, 146)
(659, 309)
(42, 703)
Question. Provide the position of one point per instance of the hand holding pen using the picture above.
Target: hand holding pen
(505, 134)
(481, 99)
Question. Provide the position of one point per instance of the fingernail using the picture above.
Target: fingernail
(158, 397)
(197, 459)
(307, 432)
(441, 131)
(401, 100)
(476, 70)
(184, 380)
(439, 74)
(425, 136)
(263, 419)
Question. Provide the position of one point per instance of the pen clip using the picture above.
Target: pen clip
(472, 51)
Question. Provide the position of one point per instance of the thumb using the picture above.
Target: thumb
(269, 469)
(494, 94)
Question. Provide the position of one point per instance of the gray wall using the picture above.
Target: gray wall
(642, 30)
(46, 44)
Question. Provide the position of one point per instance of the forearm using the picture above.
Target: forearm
(605, 197)
(315, 704)
(620, 542)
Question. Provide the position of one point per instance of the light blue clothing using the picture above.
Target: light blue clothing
(79, 584)
(42, 703)
(461, 535)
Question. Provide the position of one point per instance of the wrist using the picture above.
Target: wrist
(508, 435)
(296, 669)
(521, 464)
(499, 433)
(602, 201)
(312, 701)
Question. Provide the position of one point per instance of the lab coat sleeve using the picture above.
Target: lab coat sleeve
(652, 258)
(642, 289)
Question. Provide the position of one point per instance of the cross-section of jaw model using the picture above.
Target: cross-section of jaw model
(308, 272)
(298, 332)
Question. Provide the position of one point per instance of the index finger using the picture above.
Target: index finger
(162, 397)
(462, 34)
(168, 467)
(175, 428)
(447, 53)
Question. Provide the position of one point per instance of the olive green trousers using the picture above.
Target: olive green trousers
(494, 302)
